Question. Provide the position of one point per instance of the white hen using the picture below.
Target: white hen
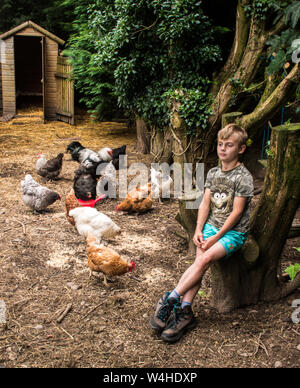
(105, 154)
(89, 220)
(160, 184)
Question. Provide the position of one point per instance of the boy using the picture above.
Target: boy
(222, 226)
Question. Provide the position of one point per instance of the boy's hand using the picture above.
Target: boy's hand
(198, 238)
(209, 242)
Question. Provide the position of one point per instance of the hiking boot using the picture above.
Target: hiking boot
(162, 313)
(182, 320)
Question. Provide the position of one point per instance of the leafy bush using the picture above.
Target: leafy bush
(136, 52)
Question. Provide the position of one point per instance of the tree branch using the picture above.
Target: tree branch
(277, 99)
(288, 288)
(238, 46)
(277, 28)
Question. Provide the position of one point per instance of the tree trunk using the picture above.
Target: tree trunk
(161, 145)
(274, 214)
(242, 66)
(250, 274)
(187, 218)
(143, 137)
(237, 49)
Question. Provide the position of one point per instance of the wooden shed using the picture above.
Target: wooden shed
(31, 66)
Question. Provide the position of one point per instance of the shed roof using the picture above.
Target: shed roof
(29, 23)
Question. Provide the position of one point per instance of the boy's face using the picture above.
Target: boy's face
(229, 149)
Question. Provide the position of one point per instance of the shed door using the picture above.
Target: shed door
(64, 90)
(43, 73)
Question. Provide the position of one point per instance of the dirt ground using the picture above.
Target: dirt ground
(43, 267)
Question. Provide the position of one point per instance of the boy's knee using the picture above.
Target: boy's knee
(204, 260)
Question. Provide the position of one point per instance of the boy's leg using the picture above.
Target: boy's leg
(191, 278)
(163, 308)
(188, 286)
(190, 294)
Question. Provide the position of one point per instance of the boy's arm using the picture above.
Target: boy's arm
(237, 211)
(203, 213)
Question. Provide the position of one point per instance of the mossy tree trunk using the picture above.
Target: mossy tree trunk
(274, 214)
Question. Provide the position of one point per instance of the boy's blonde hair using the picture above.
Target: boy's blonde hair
(232, 129)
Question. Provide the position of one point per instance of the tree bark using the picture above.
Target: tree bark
(245, 70)
(266, 110)
(187, 218)
(143, 136)
(274, 214)
(237, 50)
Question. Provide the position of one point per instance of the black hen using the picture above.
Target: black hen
(81, 154)
(74, 148)
(116, 153)
(85, 183)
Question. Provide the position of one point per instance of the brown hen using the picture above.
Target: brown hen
(136, 200)
(106, 260)
(71, 203)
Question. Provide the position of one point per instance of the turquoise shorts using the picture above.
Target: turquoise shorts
(231, 241)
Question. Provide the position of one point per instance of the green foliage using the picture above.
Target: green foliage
(259, 9)
(194, 106)
(286, 43)
(50, 14)
(269, 152)
(292, 270)
(292, 14)
(146, 49)
(202, 294)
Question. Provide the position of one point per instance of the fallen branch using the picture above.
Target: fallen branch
(23, 226)
(93, 309)
(64, 313)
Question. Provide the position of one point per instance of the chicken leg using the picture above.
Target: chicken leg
(105, 281)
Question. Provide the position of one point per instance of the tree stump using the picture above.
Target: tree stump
(231, 117)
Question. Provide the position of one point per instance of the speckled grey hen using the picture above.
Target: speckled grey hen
(35, 196)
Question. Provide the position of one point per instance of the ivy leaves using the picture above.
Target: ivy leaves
(284, 45)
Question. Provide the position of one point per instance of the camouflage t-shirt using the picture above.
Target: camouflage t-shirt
(224, 186)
